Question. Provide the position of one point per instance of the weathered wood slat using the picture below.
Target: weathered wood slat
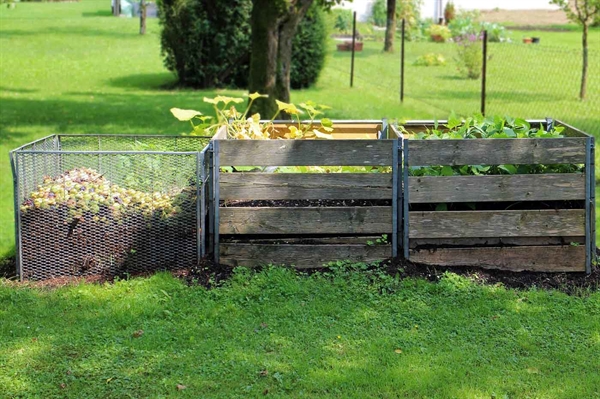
(306, 240)
(493, 241)
(306, 152)
(540, 259)
(269, 186)
(496, 151)
(543, 187)
(300, 256)
(334, 220)
(563, 222)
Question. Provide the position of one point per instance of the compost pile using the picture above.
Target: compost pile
(80, 223)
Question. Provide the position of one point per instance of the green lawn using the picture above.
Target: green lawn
(278, 334)
(73, 68)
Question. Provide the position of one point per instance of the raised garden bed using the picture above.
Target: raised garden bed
(311, 218)
(539, 222)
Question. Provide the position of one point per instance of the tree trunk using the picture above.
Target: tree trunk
(390, 29)
(142, 17)
(263, 56)
(273, 25)
(584, 69)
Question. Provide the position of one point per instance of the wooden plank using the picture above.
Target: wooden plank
(333, 220)
(539, 259)
(494, 241)
(543, 187)
(306, 152)
(300, 256)
(496, 151)
(564, 222)
(269, 186)
(306, 240)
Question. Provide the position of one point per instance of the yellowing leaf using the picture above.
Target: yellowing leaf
(398, 350)
(223, 99)
(289, 108)
(321, 135)
(184, 114)
(256, 95)
(294, 133)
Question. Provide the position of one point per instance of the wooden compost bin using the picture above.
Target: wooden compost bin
(299, 235)
(531, 235)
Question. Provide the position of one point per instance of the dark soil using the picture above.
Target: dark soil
(210, 275)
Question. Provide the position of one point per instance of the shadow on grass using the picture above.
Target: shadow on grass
(89, 112)
(148, 81)
(98, 13)
(17, 90)
(75, 31)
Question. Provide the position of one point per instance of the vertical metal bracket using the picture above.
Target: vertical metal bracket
(17, 198)
(209, 199)
(395, 198)
(405, 199)
(593, 197)
(200, 206)
(216, 200)
(383, 134)
(588, 202)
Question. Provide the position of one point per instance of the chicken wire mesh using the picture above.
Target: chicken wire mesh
(108, 205)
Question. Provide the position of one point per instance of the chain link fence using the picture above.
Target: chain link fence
(528, 80)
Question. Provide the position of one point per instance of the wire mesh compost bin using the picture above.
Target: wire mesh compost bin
(109, 204)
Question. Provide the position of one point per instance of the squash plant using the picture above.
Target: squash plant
(242, 126)
(480, 127)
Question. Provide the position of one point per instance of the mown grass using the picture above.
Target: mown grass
(73, 68)
(274, 333)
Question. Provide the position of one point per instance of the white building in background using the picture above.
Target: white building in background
(435, 8)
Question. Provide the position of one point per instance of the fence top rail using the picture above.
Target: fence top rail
(130, 136)
(32, 143)
(94, 152)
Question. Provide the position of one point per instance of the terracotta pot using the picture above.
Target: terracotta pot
(527, 40)
(438, 38)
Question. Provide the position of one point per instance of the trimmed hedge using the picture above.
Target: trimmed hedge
(309, 48)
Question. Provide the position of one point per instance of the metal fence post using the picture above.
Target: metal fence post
(484, 71)
(353, 43)
(402, 60)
